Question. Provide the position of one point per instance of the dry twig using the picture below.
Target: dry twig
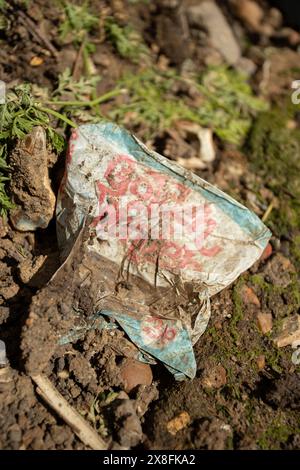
(80, 427)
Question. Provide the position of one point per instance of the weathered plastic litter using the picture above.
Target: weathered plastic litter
(95, 322)
(3, 358)
(157, 290)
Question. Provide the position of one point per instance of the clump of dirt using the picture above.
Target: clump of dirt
(26, 423)
(30, 185)
(285, 392)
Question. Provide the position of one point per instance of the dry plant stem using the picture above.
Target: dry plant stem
(80, 427)
(268, 212)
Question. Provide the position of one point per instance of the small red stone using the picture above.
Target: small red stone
(267, 252)
(249, 296)
(135, 373)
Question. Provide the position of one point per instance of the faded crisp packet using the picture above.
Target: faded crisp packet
(164, 239)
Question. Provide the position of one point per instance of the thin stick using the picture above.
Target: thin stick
(268, 212)
(80, 427)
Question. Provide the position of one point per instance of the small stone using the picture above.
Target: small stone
(215, 377)
(249, 297)
(10, 291)
(250, 12)
(290, 332)
(246, 66)
(63, 374)
(293, 37)
(3, 227)
(288, 34)
(207, 150)
(267, 252)
(296, 357)
(145, 395)
(212, 57)
(188, 67)
(208, 15)
(6, 375)
(265, 322)
(178, 423)
(291, 124)
(75, 391)
(36, 61)
(135, 373)
(275, 18)
(261, 362)
(4, 313)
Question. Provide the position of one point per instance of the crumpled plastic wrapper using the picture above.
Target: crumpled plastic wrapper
(156, 289)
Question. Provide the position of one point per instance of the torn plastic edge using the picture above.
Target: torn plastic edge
(179, 360)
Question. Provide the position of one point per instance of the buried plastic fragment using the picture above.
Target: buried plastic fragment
(3, 358)
(161, 241)
(95, 322)
(162, 338)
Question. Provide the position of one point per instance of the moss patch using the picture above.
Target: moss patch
(274, 153)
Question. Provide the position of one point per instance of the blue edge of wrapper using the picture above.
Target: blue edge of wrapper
(177, 355)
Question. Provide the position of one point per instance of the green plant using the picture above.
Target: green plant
(78, 22)
(274, 153)
(126, 40)
(150, 102)
(79, 90)
(95, 414)
(3, 13)
(79, 97)
(22, 111)
(237, 308)
(278, 432)
(228, 104)
(18, 115)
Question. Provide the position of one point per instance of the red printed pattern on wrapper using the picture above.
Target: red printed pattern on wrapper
(126, 177)
(157, 332)
(70, 150)
(71, 147)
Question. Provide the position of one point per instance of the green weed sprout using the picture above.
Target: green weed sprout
(126, 40)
